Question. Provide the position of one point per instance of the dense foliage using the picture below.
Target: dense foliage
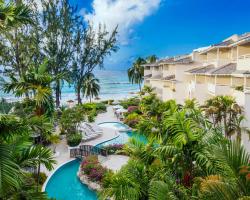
(186, 156)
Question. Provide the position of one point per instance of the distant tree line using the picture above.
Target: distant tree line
(57, 35)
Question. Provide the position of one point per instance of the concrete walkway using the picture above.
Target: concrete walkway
(62, 150)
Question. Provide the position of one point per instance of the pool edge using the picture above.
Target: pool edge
(52, 173)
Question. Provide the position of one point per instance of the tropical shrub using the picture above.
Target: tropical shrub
(132, 119)
(74, 139)
(133, 109)
(113, 148)
(130, 102)
(93, 169)
(99, 107)
(5, 106)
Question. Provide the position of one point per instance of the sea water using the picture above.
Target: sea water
(114, 85)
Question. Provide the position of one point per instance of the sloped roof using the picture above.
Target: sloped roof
(223, 43)
(157, 77)
(148, 76)
(227, 69)
(201, 70)
(183, 59)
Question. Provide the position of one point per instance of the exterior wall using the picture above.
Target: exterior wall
(197, 57)
(243, 62)
(156, 71)
(234, 53)
(168, 70)
(198, 91)
(147, 71)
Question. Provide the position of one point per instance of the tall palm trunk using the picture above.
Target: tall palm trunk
(58, 94)
(38, 176)
(78, 91)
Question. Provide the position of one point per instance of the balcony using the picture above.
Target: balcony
(243, 62)
(215, 89)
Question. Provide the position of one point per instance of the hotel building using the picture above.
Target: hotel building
(220, 69)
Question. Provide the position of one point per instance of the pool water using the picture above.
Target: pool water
(124, 134)
(114, 125)
(65, 185)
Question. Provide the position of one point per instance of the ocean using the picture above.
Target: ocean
(114, 85)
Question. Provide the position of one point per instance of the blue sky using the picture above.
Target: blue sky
(166, 27)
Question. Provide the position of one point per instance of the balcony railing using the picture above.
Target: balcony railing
(243, 62)
(244, 57)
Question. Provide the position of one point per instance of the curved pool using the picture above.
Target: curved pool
(124, 134)
(65, 185)
(115, 125)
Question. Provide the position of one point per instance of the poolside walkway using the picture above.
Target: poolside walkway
(113, 162)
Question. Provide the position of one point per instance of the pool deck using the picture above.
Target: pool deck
(113, 162)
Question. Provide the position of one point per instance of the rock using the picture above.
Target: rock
(85, 180)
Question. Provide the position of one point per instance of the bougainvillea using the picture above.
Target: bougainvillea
(93, 169)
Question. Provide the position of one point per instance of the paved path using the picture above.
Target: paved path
(62, 147)
(114, 162)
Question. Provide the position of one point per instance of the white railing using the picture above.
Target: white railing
(243, 62)
(211, 88)
(246, 56)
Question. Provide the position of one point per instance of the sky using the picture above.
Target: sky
(165, 27)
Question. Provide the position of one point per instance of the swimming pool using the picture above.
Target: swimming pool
(115, 125)
(124, 134)
(65, 185)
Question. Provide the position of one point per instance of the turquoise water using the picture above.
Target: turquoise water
(123, 137)
(65, 185)
(114, 85)
(114, 125)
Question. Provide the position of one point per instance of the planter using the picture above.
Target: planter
(85, 180)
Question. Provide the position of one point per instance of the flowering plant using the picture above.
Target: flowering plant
(113, 148)
(93, 169)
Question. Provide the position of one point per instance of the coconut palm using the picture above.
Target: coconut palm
(151, 59)
(233, 169)
(136, 72)
(91, 87)
(16, 154)
(35, 84)
(224, 111)
(13, 15)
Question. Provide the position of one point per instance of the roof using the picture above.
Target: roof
(183, 59)
(241, 73)
(150, 64)
(223, 43)
(157, 77)
(227, 69)
(148, 76)
(201, 70)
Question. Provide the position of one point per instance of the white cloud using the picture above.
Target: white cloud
(124, 13)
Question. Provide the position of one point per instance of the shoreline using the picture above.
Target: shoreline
(71, 97)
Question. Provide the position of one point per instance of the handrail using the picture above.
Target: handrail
(87, 150)
(244, 56)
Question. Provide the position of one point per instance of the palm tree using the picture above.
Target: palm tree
(91, 86)
(224, 111)
(16, 154)
(151, 59)
(233, 174)
(36, 83)
(13, 15)
(136, 72)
